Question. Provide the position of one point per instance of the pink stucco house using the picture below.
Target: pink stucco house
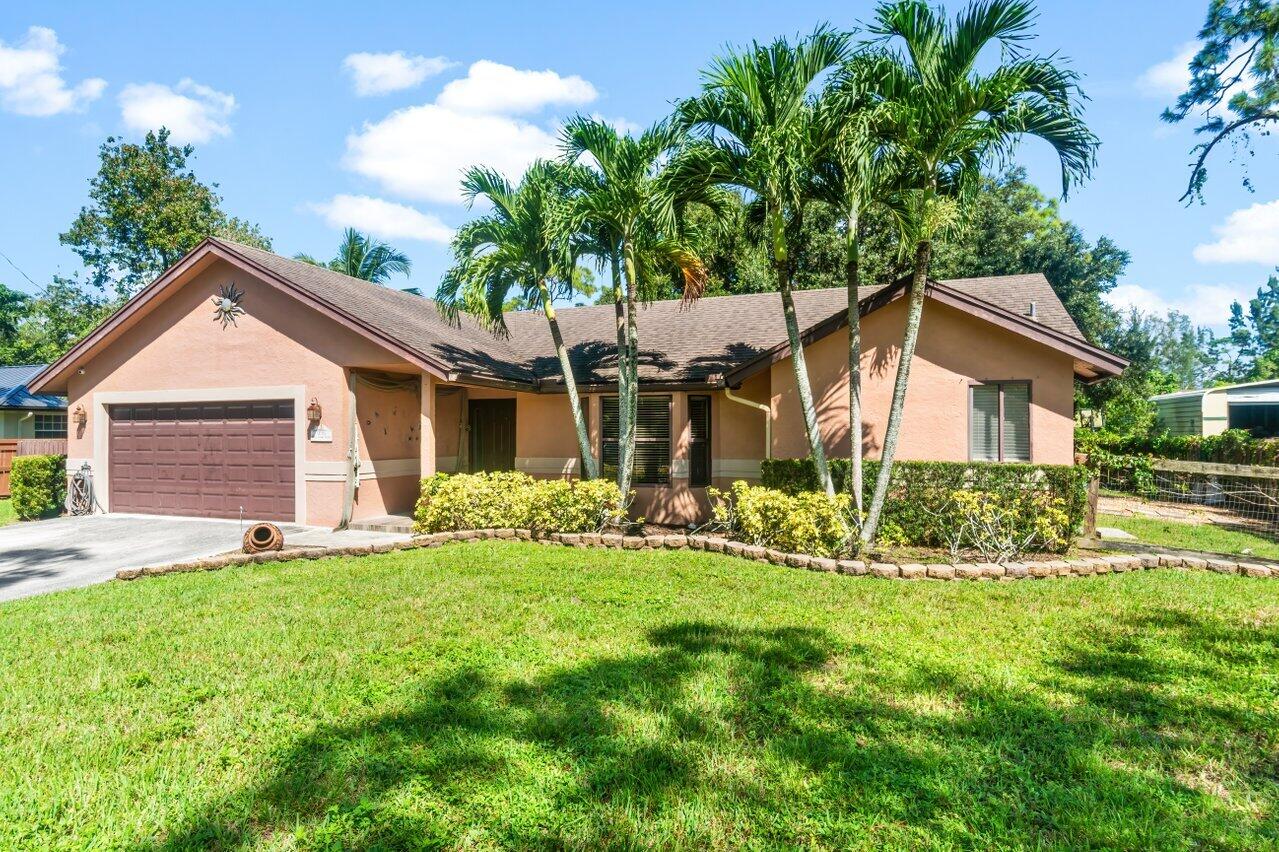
(323, 398)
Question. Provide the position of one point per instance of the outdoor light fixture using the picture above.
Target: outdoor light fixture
(79, 416)
(313, 411)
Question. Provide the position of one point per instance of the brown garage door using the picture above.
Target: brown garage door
(214, 459)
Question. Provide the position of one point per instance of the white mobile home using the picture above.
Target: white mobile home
(1253, 406)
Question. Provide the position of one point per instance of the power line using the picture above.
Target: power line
(20, 272)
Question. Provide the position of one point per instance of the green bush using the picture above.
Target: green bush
(499, 500)
(920, 505)
(806, 522)
(38, 485)
(1234, 446)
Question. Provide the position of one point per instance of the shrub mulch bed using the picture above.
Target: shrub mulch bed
(1036, 569)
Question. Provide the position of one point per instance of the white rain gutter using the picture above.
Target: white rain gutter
(768, 418)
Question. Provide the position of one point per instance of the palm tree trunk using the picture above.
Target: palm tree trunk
(632, 342)
(914, 313)
(802, 385)
(625, 389)
(852, 274)
(590, 470)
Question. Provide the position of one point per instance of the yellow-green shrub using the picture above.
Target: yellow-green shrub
(471, 501)
(808, 522)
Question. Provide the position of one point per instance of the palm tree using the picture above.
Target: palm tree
(943, 120)
(361, 256)
(519, 246)
(853, 177)
(759, 134)
(633, 225)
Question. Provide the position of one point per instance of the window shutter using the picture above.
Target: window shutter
(983, 423)
(699, 444)
(1016, 422)
(609, 425)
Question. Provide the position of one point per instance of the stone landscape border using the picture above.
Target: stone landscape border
(718, 544)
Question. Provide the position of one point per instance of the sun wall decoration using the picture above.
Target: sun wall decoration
(226, 305)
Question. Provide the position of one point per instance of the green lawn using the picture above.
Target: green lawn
(7, 515)
(516, 695)
(1206, 537)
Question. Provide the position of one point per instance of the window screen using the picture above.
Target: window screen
(652, 439)
(699, 441)
(51, 425)
(999, 422)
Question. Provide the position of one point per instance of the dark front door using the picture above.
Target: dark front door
(212, 459)
(492, 424)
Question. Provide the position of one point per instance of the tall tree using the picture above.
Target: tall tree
(44, 326)
(759, 134)
(521, 245)
(943, 118)
(635, 225)
(147, 209)
(1234, 82)
(361, 256)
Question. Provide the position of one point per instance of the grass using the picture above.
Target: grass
(7, 515)
(1210, 538)
(499, 695)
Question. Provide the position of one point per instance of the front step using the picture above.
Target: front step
(386, 523)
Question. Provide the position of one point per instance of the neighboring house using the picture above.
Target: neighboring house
(182, 409)
(1252, 405)
(27, 415)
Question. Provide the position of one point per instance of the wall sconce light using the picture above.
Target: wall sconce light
(313, 411)
(79, 416)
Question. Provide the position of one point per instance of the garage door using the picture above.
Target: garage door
(216, 459)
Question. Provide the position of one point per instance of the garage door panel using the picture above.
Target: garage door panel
(211, 459)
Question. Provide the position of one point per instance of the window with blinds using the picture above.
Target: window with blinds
(699, 441)
(652, 439)
(999, 422)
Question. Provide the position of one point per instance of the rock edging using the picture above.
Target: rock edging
(717, 544)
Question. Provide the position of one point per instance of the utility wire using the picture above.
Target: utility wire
(39, 289)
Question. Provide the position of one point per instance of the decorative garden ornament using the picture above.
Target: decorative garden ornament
(226, 305)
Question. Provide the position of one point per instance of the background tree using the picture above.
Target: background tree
(759, 134)
(361, 256)
(944, 119)
(519, 246)
(1234, 82)
(40, 328)
(146, 210)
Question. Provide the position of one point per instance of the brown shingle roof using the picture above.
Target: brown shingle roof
(679, 343)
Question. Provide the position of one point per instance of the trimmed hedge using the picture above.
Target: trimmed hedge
(921, 504)
(470, 501)
(38, 486)
(808, 522)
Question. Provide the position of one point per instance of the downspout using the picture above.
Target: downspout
(768, 418)
(352, 457)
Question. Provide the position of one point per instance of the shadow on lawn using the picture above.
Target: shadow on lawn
(725, 736)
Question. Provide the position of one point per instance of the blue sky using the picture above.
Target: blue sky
(363, 115)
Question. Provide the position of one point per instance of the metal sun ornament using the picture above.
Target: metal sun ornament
(226, 305)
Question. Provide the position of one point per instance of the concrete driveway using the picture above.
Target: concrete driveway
(61, 553)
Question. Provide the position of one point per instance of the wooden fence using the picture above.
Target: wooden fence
(10, 447)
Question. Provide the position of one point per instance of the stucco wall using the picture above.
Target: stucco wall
(955, 350)
(177, 348)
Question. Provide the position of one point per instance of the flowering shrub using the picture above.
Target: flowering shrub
(808, 522)
(1002, 529)
(471, 501)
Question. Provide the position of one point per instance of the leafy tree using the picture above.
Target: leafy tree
(1235, 73)
(635, 225)
(147, 209)
(1250, 350)
(520, 246)
(43, 327)
(944, 119)
(759, 134)
(361, 256)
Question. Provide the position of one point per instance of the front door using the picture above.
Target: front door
(492, 423)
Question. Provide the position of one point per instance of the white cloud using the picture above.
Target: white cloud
(381, 73)
(1169, 78)
(1205, 304)
(421, 151)
(621, 125)
(1250, 235)
(31, 80)
(490, 87)
(192, 112)
(383, 219)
